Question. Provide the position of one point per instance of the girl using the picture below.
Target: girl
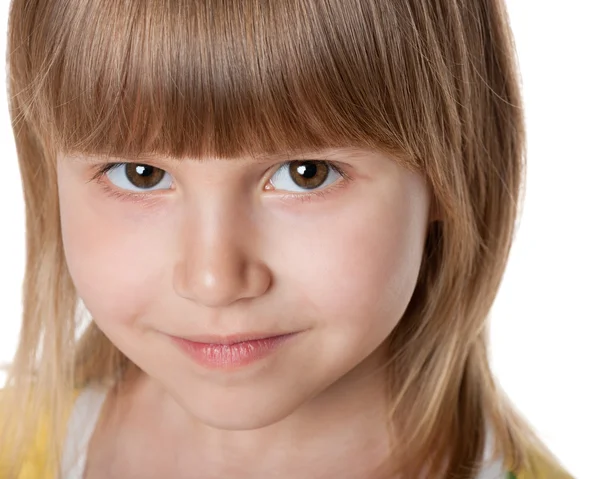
(288, 221)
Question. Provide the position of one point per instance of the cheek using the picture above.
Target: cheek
(113, 262)
(350, 273)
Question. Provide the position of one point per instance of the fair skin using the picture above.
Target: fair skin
(218, 249)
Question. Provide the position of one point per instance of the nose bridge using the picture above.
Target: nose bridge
(217, 264)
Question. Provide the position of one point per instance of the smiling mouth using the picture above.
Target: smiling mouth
(232, 352)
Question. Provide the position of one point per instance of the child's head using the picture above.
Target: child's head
(385, 238)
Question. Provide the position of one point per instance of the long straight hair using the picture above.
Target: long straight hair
(433, 84)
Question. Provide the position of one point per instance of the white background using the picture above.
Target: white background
(546, 320)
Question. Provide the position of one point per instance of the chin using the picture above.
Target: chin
(243, 415)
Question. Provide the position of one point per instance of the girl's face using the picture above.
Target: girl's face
(170, 249)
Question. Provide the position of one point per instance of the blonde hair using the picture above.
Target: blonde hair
(433, 84)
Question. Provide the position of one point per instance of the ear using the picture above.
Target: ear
(435, 213)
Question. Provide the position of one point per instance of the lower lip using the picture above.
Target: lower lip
(231, 356)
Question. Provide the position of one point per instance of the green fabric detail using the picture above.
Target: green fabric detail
(510, 475)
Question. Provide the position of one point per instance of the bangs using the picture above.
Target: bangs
(225, 79)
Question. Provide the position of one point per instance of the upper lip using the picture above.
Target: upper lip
(231, 338)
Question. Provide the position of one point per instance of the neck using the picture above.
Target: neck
(339, 433)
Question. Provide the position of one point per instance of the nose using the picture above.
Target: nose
(218, 266)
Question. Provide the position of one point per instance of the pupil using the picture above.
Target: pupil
(307, 171)
(143, 170)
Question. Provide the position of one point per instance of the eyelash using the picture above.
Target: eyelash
(102, 170)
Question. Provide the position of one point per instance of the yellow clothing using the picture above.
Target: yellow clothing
(35, 465)
(540, 469)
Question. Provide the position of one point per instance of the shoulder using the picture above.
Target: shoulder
(541, 467)
(35, 453)
(538, 464)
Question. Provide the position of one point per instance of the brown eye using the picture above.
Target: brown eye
(308, 174)
(138, 177)
(143, 176)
